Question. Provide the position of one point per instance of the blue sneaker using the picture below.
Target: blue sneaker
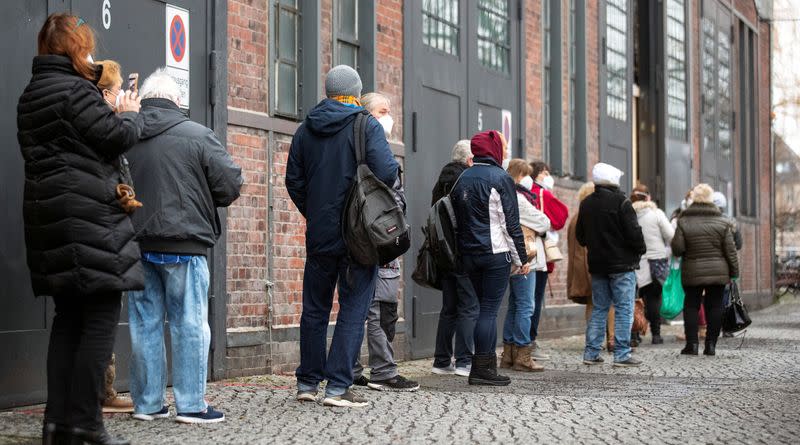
(163, 414)
(210, 415)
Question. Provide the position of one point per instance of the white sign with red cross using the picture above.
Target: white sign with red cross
(177, 46)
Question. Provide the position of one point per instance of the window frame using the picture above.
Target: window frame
(746, 118)
(504, 46)
(670, 134)
(339, 36)
(276, 60)
(454, 25)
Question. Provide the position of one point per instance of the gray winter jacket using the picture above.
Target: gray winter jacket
(181, 174)
(656, 229)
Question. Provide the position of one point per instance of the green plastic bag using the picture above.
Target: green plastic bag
(672, 293)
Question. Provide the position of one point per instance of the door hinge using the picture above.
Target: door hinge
(414, 131)
(213, 62)
(733, 118)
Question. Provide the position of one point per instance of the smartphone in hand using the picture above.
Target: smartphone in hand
(133, 82)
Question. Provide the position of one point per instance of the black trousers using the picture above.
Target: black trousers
(81, 342)
(713, 305)
(651, 294)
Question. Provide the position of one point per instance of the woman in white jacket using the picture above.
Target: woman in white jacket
(517, 346)
(658, 233)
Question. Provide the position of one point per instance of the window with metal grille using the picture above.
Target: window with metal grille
(346, 33)
(616, 59)
(286, 58)
(676, 52)
(440, 25)
(494, 47)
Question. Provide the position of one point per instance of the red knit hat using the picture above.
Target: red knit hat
(488, 144)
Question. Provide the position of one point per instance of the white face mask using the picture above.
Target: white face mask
(387, 122)
(548, 182)
(686, 203)
(526, 182)
(506, 161)
(89, 59)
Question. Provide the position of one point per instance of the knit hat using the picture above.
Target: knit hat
(603, 173)
(342, 81)
(719, 200)
(488, 144)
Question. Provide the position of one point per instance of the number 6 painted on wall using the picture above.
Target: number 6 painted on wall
(106, 14)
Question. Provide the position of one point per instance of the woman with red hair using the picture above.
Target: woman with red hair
(490, 241)
(79, 238)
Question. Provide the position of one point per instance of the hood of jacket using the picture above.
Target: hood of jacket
(643, 207)
(158, 116)
(330, 117)
(487, 144)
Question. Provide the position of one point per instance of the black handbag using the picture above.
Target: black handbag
(426, 273)
(734, 317)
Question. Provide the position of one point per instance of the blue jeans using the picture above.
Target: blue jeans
(179, 291)
(619, 290)
(538, 305)
(459, 311)
(489, 275)
(356, 289)
(517, 328)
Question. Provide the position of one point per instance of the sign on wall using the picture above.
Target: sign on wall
(505, 121)
(177, 43)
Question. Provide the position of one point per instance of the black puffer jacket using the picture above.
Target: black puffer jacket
(78, 238)
(704, 238)
(182, 174)
(609, 228)
(447, 178)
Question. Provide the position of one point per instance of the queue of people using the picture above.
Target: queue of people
(105, 215)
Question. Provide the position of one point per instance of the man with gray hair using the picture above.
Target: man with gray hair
(459, 302)
(182, 174)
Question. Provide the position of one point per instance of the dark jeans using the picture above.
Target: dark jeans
(489, 275)
(713, 308)
(356, 289)
(652, 305)
(538, 295)
(459, 311)
(81, 342)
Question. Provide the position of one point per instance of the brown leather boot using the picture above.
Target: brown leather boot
(523, 360)
(507, 358)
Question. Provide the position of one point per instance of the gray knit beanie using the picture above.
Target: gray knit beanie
(342, 81)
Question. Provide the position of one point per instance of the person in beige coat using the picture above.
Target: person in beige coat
(517, 347)
(579, 281)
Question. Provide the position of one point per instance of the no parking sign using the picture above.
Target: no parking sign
(177, 49)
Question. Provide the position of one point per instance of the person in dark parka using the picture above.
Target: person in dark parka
(79, 239)
(182, 173)
(319, 173)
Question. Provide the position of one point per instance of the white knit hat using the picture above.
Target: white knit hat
(603, 173)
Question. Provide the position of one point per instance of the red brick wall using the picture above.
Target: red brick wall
(389, 63)
(248, 75)
(533, 79)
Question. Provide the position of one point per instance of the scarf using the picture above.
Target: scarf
(347, 100)
(533, 199)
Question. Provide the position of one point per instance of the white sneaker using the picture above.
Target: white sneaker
(538, 355)
(449, 370)
(350, 399)
(463, 371)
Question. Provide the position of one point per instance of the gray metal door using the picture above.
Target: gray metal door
(456, 84)
(135, 37)
(716, 153)
(616, 80)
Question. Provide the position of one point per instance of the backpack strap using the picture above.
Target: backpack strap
(456, 183)
(359, 137)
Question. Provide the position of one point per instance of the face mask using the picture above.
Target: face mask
(526, 182)
(387, 122)
(89, 59)
(685, 204)
(506, 161)
(548, 182)
(117, 99)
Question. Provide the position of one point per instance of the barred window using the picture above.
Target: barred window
(494, 48)
(677, 114)
(440, 28)
(347, 44)
(616, 59)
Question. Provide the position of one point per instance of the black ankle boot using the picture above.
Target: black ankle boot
(484, 371)
(99, 437)
(54, 434)
(690, 349)
(711, 348)
(657, 340)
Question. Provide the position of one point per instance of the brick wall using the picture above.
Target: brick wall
(248, 76)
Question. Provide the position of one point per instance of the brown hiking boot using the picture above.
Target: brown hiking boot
(118, 404)
(523, 360)
(507, 358)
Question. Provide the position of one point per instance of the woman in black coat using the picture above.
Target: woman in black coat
(79, 239)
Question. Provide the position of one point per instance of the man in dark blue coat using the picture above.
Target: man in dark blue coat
(319, 173)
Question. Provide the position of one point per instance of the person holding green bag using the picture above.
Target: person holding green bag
(704, 240)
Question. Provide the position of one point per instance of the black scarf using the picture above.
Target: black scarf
(533, 199)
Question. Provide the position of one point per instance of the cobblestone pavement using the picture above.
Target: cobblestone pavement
(743, 395)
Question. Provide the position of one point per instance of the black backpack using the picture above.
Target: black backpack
(373, 225)
(442, 228)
